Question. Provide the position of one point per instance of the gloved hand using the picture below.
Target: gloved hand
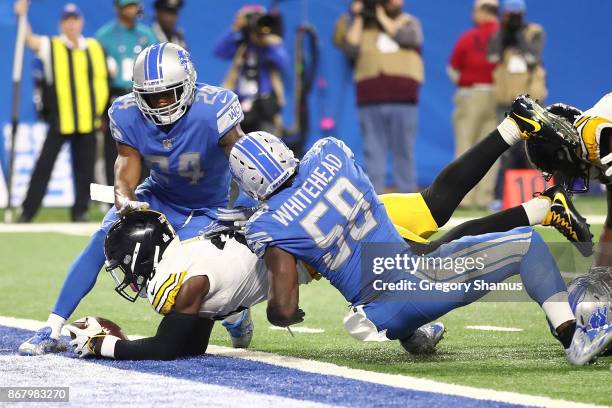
(235, 214)
(298, 317)
(568, 112)
(88, 341)
(128, 206)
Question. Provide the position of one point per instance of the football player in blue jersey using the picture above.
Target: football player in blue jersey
(324, 211)
(183, 131)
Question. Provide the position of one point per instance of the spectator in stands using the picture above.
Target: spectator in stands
(122, 39)
(165, 24)
(75, 92)
(259, 66)
(475, 114)
(516, 50)
(384, 44)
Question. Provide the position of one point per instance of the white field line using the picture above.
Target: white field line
(72, 228)
(298, 329)
(494, 328)
(88, 228)
(393, 380)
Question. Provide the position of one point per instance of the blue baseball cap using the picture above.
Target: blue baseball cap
(123, 3)
(71, 10)
(514, 6)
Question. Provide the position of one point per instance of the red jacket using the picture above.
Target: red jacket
(469, 56)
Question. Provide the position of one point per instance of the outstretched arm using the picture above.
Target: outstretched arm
(283, 293)
(33, 41)
(181, 332)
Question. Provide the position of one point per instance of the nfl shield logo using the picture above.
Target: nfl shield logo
(167, 143)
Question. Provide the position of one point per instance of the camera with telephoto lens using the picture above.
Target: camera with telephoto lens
(369, 9)
(263, 24)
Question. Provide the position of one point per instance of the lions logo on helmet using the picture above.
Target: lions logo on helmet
(260, 163)
(163, 68)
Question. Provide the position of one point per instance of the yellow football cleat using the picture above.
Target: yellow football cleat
(564, 217)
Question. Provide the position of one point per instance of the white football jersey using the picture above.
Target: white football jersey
(591, 123)
(238, 279)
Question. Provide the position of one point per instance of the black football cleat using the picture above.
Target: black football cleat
(528, 115)
(564, 217)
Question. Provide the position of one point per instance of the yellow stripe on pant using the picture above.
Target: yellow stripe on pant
(410, 215)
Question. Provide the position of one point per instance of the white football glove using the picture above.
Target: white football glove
(88, 341)
(235, 214)
(132, 205)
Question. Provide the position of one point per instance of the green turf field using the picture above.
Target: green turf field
(531, 361)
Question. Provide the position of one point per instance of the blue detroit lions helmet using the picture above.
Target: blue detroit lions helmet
(161, 68)
(260, 163)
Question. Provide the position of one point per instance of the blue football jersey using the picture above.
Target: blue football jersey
(188, 168)
(324, 217)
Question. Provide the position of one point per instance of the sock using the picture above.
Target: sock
(56, 323)
(81, 276)
(565, 333)
(509, 131)
(536, 209)
(557, 309)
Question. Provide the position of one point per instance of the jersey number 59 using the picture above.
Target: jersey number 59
(339, 233)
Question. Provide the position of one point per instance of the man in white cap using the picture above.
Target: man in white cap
(474, 114)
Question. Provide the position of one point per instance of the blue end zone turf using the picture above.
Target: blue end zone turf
(272, 380)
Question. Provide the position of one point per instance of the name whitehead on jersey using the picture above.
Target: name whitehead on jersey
(310, 189)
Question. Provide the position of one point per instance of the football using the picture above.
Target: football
(108, 326)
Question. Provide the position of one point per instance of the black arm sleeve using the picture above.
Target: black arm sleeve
(178, 335)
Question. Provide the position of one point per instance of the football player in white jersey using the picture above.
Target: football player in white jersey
(192, 283)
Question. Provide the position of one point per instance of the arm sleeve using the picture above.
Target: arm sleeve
(229, 112)
(178, 335)
(227, 45)
(117, 132)
(410, 35)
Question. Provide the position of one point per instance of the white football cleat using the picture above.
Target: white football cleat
(424, 339)
(591, 340)
(41, 343)
(241, 330)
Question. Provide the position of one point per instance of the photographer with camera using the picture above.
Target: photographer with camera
(384, 45)
(516, 50)
(259, 65)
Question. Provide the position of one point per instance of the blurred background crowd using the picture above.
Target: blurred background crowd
(407, 84)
